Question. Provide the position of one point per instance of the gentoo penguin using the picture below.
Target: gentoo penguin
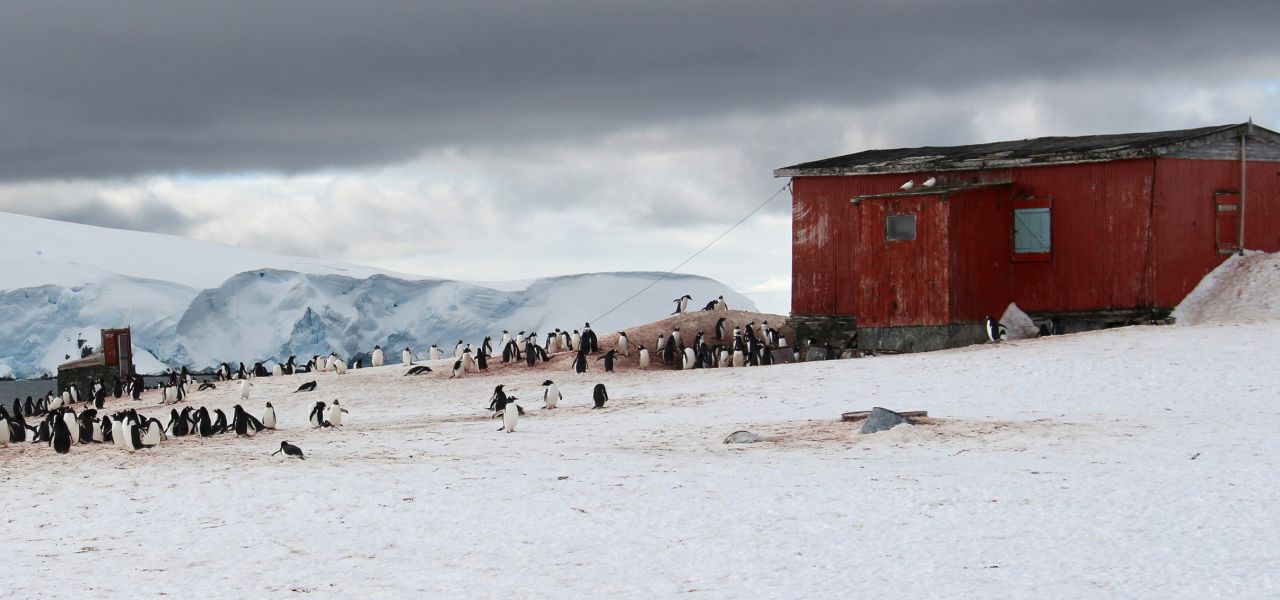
(995, 331)
(69, 419)
(259, 370)
(575, 341)
(290, 365)
(178, 426)
(269, 417)
(457, 369)
(608, 359)
(720, 329)
(339, 366)
(624, 345)
(530, 354)
(551, 395)
(206, 386)
(644, 358)
(84, 426)
(434, 352)
(457, 350)
(682, 304)
(75, 393)
(690, 358)
(589, 339)
(599, 395)
(277, 370)
(406, 357)
(482, 359)
(721, 304)
(509, 417)
(244, 389)
(117, 390)
(289, 450)
(219, 421)
(739, 359)
(244, 423)
(335, 414)
(6, 429)
(317, 416)
(498, 400)
(661, 345)
(331, 363)
(309, 386)
(153, 433)
(580, 362)
(377, 358)
(710, 306)
(418, 370)
(468, 360)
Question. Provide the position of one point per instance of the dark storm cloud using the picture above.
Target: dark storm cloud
(106, 89)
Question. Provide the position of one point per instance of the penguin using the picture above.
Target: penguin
(244, 389)
(457, 350)
(206, 386)
(468, 360)
(551, 396)
(682, 304)
(330, 363)
(530, 354)
(661, 345)
(377, 358)
(290, 366)
(509, 418)
(406, 357)
(506, 338)
(219, 421)
(418, 370)
(600, 395)
(84, 426)
(690, 358)
(739, 359)
(710, 306)
(177, 425)
(269, 417)
(277, 370)
(244, 423)
(6, 429)
(624, 344)
(61, 440)
(995, 331)
(644, 358)
(75, 393)
(575, 341)
(589, 339)
(289, 450)
(580, 362)
(498, 401)
(116, 389)
(69, 419)
(482, 359)
(335, 414)
(720, 329)
(434, 352)
(309, 386)
(339, 365)
(669, 354)
(608, 359)
(242, 373)
(457, 369)
(317, 416)
(721, 304)
(259, 370)
(152, 433)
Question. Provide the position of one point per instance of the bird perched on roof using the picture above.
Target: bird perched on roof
(906, 187)
(930, 182)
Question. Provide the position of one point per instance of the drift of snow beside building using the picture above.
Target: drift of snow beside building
(1244, 288)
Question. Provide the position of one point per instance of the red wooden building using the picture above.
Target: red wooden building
(1086, 231)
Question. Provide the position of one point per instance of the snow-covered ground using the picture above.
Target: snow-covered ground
(1130, 463)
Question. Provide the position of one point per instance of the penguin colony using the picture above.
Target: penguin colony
(54, 420)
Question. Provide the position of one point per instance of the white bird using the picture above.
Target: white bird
(406, 357)
(644, 357)
(906, 187)
(377, 359)
(339, 365)
(509, 416)
(930, 182)
(244, 389)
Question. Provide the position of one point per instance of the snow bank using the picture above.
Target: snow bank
(1244, 288)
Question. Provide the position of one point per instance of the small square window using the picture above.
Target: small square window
(900, 228)
(1031, 231)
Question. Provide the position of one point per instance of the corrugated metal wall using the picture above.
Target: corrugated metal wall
(1106, 252)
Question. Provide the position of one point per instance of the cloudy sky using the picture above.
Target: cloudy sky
(506, 140)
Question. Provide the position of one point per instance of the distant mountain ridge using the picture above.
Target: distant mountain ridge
(284, 305)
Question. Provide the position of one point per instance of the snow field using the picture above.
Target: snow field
(1137, 462)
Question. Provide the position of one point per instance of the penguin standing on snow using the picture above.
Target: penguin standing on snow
(580, 362)
(509, 417)
(277, 370)
(551, 395)
(61, 440)
(244, 389)
(482, 360)
(290, 365)
(600, 395)
(498, 400)
(434, 352)
(720, 329)
(269, 417)
(457, 350)
(406, 357)
(457, 369)
(608, 359)
(995, 331)
(624, 344)
(589, 340)
(335, 414)
(317, 416)
(644, 358)
(377, 357)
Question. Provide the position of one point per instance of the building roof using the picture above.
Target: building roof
(1036, 151)
(93, 360)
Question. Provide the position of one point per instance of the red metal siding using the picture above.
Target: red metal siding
(1184, 244)
(1126, 234)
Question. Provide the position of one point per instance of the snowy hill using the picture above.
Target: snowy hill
(1244, 288)
(197, 304)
